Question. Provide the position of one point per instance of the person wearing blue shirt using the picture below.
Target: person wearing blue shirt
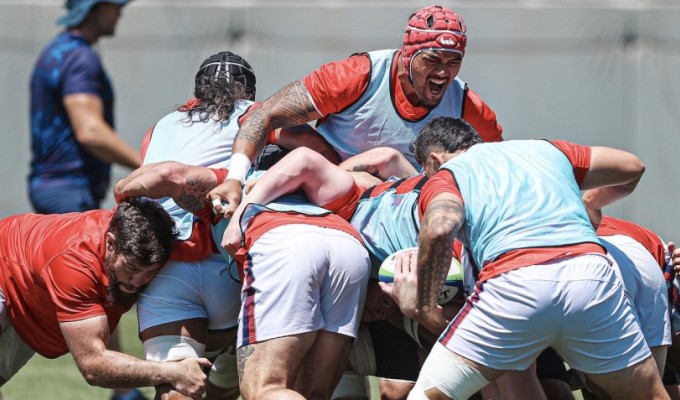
(73, 141)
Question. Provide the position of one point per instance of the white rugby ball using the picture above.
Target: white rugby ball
(453, 285)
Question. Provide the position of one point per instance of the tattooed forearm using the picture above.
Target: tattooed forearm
(252, 132)
(192, 194)
(242, 354)
(441, 221)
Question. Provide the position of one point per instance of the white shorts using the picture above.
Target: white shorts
(14, 352)
(645, 285)
(186, 290)
(303, 278)
(575, 305)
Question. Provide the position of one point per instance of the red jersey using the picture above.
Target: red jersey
(649, 240)
(337, 85)
(52, 270)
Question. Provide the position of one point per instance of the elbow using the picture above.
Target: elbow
(170, 172)
(439, 233)
(87, 136)
(636, 170)
(91, 377)
(639, 168)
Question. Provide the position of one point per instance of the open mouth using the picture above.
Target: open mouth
(437, 86)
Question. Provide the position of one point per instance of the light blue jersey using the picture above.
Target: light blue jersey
(387, 218)
(372, 121)
(507, 209)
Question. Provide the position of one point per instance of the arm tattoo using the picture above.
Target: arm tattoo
(242, 354)
(290, 106)
(369, 169)
(286, 108)
(192, 196)
(441, 221)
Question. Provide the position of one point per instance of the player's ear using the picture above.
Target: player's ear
(435, 161)
(110, 242)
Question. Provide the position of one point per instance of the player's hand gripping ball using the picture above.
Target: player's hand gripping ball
(453, 285)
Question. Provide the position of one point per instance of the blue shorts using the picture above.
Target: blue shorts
(61, 196)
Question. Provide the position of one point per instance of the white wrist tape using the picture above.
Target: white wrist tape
(239, 167)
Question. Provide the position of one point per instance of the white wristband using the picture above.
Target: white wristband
(239, 167)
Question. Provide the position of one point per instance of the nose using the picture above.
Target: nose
(141, 279)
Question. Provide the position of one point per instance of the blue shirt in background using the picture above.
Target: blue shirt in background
(67, 65)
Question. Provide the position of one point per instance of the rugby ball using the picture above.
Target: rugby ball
(453, 285)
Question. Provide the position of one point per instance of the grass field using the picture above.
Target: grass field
(59, 379)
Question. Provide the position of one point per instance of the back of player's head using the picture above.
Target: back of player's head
(433, 28)
(144, 232)
(445, 134)
(229, 67)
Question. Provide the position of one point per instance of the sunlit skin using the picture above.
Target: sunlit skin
(130, 278)
(432, 73)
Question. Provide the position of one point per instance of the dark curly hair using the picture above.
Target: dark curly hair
(222, 80)
(144, 232)
(443, 134)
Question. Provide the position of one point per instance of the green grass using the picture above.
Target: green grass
(60, 379)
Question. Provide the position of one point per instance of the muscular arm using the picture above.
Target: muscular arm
(613, 174)
(187, 185)
(381, 162)
(86, 113)
(87, 340)
(286, 108)
(442, 219)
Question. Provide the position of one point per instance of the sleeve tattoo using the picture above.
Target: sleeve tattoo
(286, 108)
(441, 221)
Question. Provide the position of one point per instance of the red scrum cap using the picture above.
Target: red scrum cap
(433, 28)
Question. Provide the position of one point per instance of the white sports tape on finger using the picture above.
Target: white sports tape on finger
(239, 167)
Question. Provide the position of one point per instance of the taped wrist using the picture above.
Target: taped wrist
(239, 167)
